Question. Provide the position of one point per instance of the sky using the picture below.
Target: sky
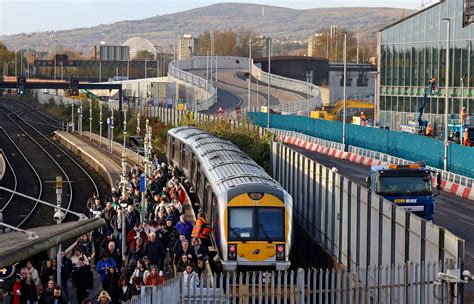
(25, 16)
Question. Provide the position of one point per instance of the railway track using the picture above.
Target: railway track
(18, 210)
(50, 160)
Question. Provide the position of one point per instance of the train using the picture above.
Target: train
(250, 213)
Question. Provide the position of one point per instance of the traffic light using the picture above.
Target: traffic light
(74, 84)
(21, 85)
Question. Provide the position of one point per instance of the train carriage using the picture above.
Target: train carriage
(251, 214)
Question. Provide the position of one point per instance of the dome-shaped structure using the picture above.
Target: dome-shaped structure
(137, 45)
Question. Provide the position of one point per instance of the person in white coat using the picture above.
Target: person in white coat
(190, 277)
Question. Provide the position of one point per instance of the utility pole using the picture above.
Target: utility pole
(79, 123)
(72, 117)
(58, 216)
(111, 131)
(138, 134)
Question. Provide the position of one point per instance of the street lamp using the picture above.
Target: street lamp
(100, 124)
(269, 80)
(250, 71)
(344, 93)
(124, 129)
(446, 97)
(90, 120)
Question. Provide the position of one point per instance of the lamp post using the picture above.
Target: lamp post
(124, 129)
(446, 96)
(138, 133)
(111, 131)
(123, 203)
(90, 120)
(79, 123)
(376, 101)
(250, 72)
(58, 217)
(72, 117)
(344, 93)
(269, 80)
(100, 124)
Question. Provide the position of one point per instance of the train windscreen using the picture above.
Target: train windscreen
(256, 224)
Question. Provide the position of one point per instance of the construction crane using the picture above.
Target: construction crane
(419, 125)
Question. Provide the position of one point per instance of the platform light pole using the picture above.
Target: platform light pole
(58, 217)
(124, 129)
(90, 120)
(100, 124)
(269, 80)
(72, 117)
(250, 71)
(111, 131)
(138, 133)
(79, 123)
(446, 95)
(123, 203)
(344, 77)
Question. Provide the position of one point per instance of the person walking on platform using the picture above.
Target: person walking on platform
(202, 229)
(82, 280)
(462, 116)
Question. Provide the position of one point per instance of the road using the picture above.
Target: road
(228, 81)
(452, 212)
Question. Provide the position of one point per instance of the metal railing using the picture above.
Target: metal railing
(292, 85)
(405, 284)
(198, 82)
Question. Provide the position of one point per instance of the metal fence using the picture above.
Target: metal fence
(357, 226)
(404, 284)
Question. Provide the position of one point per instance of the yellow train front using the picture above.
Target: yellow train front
(250, 213)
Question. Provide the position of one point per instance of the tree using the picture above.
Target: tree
(144, 55)
(7, 59)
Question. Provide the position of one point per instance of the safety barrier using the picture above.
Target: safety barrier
(354, 224)
(411, 283)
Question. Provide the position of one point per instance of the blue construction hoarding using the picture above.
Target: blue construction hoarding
(400, 144)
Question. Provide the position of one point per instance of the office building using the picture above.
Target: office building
(185, 46)
(413, 50)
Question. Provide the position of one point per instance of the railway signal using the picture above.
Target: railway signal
(21, 83)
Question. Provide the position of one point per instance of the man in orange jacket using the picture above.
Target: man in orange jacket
(429, 130)
(202, 230)
(466, 141)
(363, 119)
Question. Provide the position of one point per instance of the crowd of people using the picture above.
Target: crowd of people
(160, 243)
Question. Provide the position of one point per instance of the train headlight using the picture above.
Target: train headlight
(280, 252)
(232, 252)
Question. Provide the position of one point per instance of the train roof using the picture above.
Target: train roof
(227, 168)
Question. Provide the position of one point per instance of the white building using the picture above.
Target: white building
(185, 47)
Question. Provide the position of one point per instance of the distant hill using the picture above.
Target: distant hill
(279, 22)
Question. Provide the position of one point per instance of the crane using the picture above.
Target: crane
(430, 89)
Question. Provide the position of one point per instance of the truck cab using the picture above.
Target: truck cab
(408, 186)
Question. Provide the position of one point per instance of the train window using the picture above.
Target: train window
(241, 224)
(271, 224)
(260, 224)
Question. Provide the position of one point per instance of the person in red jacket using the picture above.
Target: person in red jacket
(134, 234)
(155, 278)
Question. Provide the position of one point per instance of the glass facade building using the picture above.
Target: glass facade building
(412, 51)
